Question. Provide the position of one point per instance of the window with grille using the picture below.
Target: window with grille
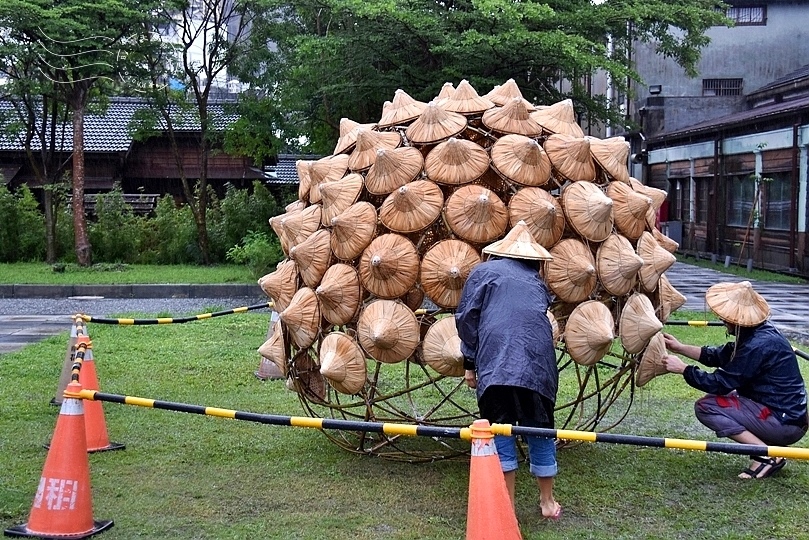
(740, 192)
(702, 199)
(748, 16)
(722, 87)
(679, 199)
(777, 201)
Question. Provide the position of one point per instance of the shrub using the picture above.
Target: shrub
(116, 233)
(22, 226)
(171, 235)
(259, 251)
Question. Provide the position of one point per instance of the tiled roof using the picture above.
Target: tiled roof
(286, 171)
(795, 76)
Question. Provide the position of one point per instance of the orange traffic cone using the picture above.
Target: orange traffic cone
(490, 514)
(63, 506)
(95, 426)
(76, 330)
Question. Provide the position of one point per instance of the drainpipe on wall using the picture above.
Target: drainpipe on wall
(692, 203)
(757, 209)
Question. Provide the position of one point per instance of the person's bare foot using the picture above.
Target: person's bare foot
(551, 509)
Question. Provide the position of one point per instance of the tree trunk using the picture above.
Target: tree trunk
(50, 226)
(82, 241)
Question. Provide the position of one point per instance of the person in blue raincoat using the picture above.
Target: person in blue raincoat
(507, 344)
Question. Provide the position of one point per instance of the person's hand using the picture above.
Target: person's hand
(471, 378)
(674, 364)
(672, 343)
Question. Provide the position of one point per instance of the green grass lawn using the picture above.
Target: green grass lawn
(105, 274)
(741, 270)
(192, 476)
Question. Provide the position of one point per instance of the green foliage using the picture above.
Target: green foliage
(258, 251)
(172, 234)
(22, 226)
(116, 233)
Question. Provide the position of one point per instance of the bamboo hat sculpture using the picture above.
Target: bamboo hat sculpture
(392, 169)
(571, 275)
(388, 331)
(638, 323)
(617, 265)
(476, 214)
(412, 207)
(670, 299)
(327, 169)
(353, 230)
(389, 266)
(444, 270)
(414, 298)
(446, 91)
(588, 210)
(737, 303)
(522, 160)
(651, 362)
(629, 209)
(665, 242)
(456, 161)
(518, 244)
(339, 294)
(658, 196)
(348, 135)
(612, 155)
(513, 117)
(465, 100)
(337, 196)
(541, 212)
(313, 256)
(342, 363)
(368, 143)
(281, 284)
(503, 93)
(274, 349)
(558, 118)
(277, 224)
(656, 260)
(297, 227)
(435, 124)
(556, 334)
(302, 317)
(589, 332)
(304, 183)
(401, 110)
(307, 380)
(571, 157)
(295, 206)
(441, 348)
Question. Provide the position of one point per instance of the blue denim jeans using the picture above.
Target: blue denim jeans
(541, 454)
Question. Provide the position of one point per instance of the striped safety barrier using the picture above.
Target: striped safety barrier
(175, 320)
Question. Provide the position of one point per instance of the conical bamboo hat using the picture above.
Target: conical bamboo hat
(274, 349)
(518, 244)
(558, 118)
(313, 256)
(513, 117)
(456, 161)
(665, 242)
(613, 155)
(402, 109)
(555, 332)
(281, 284)
(571, 157)
(503, 93)
(656, 260)
(629, 209)
(304, 183)
(589, 332)
(444, 270)
(348, 135)
(446, 91)
(476, 214)
(308, 381)
(658, 196)
(339, 294)
(442, 348)
(353, 230)
(651, 361)
(670, 299)
(327, 169)
(389, 266)
(342, 363)
(368, 142)
(302, 317)
(414, 298)
(541, 212)
(301, 225)
(521, 160)
(465, 100)
(393, 169)
(435, 124)
(617, 265)
(295, 206)
(337, 196)
(588, 210)
(412, 207)
(638, 323)
(737, 303)
(277, 224)
(571, 275)
(388, 331)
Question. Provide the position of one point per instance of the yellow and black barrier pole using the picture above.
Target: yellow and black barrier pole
(175, 320)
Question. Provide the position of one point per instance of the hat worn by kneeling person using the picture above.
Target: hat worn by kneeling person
(519, 243)
(737, 303)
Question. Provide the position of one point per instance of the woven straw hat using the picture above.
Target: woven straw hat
(558, 118)
(339, 294)
(295, 206)
(442, 348)
(588, 210)
(388, 331)
(304, 183)
(342, 363)
(571, 157)
(737, 303)
(348, 135)
(368, 142)
(392, 169)
(444, 270)
(518, 244)
(435, 124)
(302, 317)
(571, 275)
(503, 93)
(656, 260)
(589, 332)
(522, 160)
(327, 169)
(277, 224)
(456, 161)
(281, 284)
(353, 230)
(297, 227)
(313, 256)
(541, 212)
(414, 298)
(513, 117)
(617, 265)
(665, 242)
(638, 323)
(465, 100)
(555, 332)
(651, 361)
(412, 207)
(612, 154)
(389, 266)
(274, 349)
(476, 214)
(629, 209)
(402, 109)
(658, 196)
(670, 299)
(446, 91)
(337, 196)
(308, 381)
